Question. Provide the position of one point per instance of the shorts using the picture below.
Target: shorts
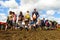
(10, 22)
(14, 23)
(32, 23)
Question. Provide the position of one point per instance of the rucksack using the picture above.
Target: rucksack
(47, 23)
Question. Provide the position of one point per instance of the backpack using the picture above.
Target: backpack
(47, 23)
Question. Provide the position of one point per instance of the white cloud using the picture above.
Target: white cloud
(58, 20)
(50, 12)
(31, 4)
(43, 15)
(3, 17)
(39, 4)
(58, 11)
(51, 18)
(9, 4)
(49, 5)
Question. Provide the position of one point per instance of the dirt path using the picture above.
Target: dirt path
(30, 35)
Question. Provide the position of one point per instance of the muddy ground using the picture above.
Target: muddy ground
(30, 35)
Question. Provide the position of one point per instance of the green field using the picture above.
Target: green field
(30, 35)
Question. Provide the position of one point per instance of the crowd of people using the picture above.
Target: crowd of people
(28, 22)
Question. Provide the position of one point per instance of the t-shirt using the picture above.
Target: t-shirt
(10, 17)
(47, 24)
(36, 13)
(14, 18)
(34, 16)
(27, 16)
(20, 18)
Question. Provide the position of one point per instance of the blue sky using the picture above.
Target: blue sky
(5, 9)
(49, 9)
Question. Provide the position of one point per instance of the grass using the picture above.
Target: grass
(30, 35)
